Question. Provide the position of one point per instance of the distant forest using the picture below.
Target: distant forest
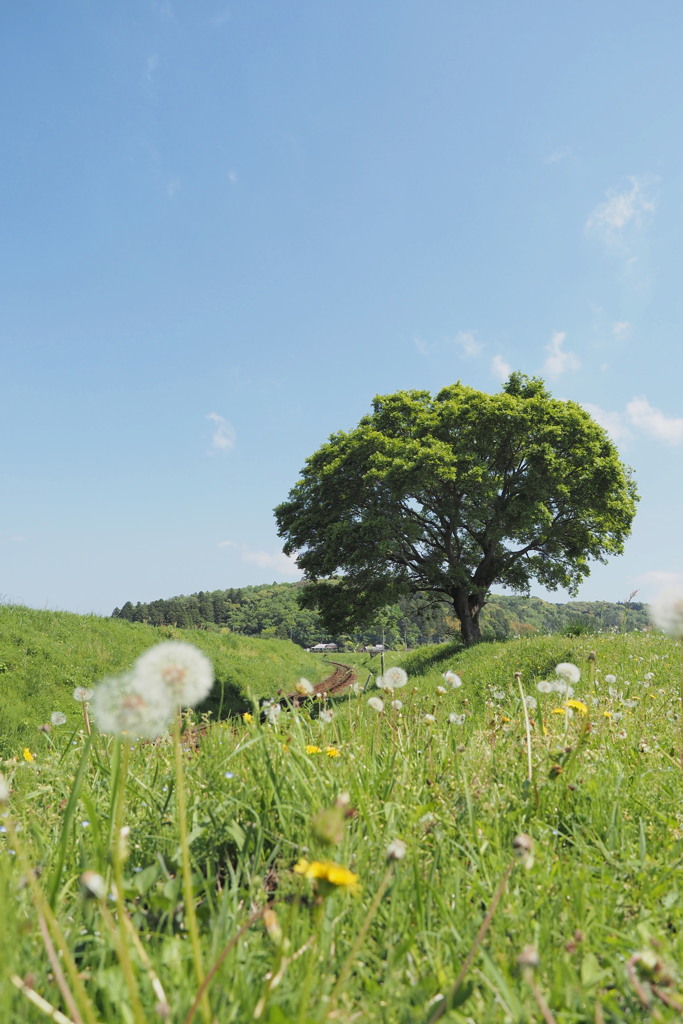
(272, 610)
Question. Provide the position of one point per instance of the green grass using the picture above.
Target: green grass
(44, 655)
(601, 903)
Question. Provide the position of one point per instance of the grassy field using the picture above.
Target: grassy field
(296, 905)
(44, 655)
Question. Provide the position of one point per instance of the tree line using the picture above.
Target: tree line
(273, 611)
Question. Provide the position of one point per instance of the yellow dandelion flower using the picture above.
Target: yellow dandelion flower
(504, 718)
(557, 711)
(578, 705)
(607, 714)
(332, 752)
(312, 749)
(28, 756)
(327, 871)
(285, 747)
(247, 717)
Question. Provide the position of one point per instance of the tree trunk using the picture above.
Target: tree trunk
(467, 607)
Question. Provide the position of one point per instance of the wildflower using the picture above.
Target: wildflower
(312, 749)
(609, 678)
(429, 718)
(273, 713)
(376, 704)
(173, 672)
(117, 709)
(326, 715)
(453, 678)
(304, 687)
(441, 690)
(58, 718)
(578, 704)
(397, 705)
(28, 756)
(327, 871)
(456, 719)
(393, 679)
(247, 717)
(558, 711)
(523, 846)
(93, 886)
(332, 752)
(396, 850)
(82, 694)
(666, 611)
(566, 670)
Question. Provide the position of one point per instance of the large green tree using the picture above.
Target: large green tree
(447, 495)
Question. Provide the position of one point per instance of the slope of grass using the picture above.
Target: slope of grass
(44, 655)
(457, 776)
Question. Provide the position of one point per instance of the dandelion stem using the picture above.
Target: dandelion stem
(66, 824)
(62, 983)
(42, 1004)
(188, 890)
(527, 726)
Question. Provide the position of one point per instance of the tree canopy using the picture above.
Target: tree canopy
(448, 494)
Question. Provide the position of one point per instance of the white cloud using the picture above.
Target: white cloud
(151, 65)
(621, 328)
(621, 210)
(613, 422)
(468, 343)
(653, 422)
(223, 437)
(172, 188)
(558, 155)
(557, 361)
(422, 346)
(500, 369)
(284, 565)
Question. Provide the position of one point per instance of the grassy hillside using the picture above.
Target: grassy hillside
(45, 655)
(303, 912)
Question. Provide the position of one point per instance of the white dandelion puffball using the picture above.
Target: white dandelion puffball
(376, 704)
(666, 611)
(545, 687)
(273, 713)
(609, 678)
(429, 718)
(173, 672)
(397, 705)
(119, 709)
(326, 716)
(456, 719)
(566, 670)
(393, 679)
(441, 690)
(531, 703)
(453, 678)
(396, 850)
(58, 718)
(82, 694)
(304, 687)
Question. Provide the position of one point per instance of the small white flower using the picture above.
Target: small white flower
(376, 704)
(58, 718)
(273, 713)
(566, 670)
(666, 611)
(453, 678)
(456, 719)
(304, 687)
(429, 718)
(82, 694)
(118, 709)
(393, 679)
(396, 850)
(175, 672)
(326, 715)
(609, 678)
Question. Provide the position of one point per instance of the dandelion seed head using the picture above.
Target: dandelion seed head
(376, 704)
(119, 710)
(568, 671)
(82, 694)
(453, 679)
(58, 718)
(173, 672)
(326, 716)
(666, 611)
(456, 719)
(396, 850)
(304, 687)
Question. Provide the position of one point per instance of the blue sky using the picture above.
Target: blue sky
(228, 225)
